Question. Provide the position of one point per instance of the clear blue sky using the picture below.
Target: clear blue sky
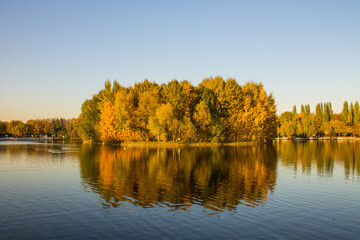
(56, 54)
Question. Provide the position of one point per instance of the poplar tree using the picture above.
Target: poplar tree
(307, 110)
(350, 120)
(302, 109)
(345, 111)
(356, 113)
(331, 111)
(327, 112)
(319, 110)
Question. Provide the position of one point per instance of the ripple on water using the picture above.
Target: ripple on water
(101, 192)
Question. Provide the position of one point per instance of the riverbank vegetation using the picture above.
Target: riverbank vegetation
(56, 127)
(216, 110)
(321, 123)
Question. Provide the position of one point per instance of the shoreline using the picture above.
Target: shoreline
(35, 139)
(300, 139)
(133, 144)
(177, 144)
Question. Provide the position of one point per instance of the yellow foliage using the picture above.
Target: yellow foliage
(221, 111)
(107, 122)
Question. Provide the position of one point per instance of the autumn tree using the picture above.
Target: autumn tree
(163, 125)
(88, 124)
(350, 117)
(319, 110)
(356, 113)
(203, 120)
(2, 128)
(259, 113)
(107, 123)
(345, 111)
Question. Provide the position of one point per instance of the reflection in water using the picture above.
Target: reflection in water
(322, 156)
(31, 151)
(43, 197)
(176, 178)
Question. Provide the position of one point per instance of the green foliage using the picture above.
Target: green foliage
(320, 110)
(3, 127)
(356, 113)
(302, 109)
(327, 112)
(57, 127)
(350, 117)
(321, 123)
(307, 110)
(345, 111)
(88, 124)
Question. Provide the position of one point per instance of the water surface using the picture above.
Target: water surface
(286, 190)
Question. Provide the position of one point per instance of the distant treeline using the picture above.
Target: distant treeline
(216, 110)
(321, 123)
(57, 127)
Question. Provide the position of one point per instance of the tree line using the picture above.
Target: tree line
(216, 110)
(321, 123)
(57, 127)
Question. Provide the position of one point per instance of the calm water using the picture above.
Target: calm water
(287, 190)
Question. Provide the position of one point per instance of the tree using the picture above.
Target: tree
(258, 114)
(172, 94)
(288, 129)
(149, 101)
(310, 126)
(345, 111)
(203, 120)
(302, 109)
(12, 129)
(327, 116)
(350, 116)
(108, 93)
(122, 109)
(107, 123)
(2, 128)
(307, 110)
(327, 129)
(356, 113)
(320, 110)
(163, 124)
(339, 128)
(286, 117)
(88, 123)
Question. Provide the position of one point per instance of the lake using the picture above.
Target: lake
(287, 190)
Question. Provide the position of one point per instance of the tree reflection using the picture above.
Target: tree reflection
(322, 156)
(216, 178)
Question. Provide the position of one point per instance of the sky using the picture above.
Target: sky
(55, 54)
